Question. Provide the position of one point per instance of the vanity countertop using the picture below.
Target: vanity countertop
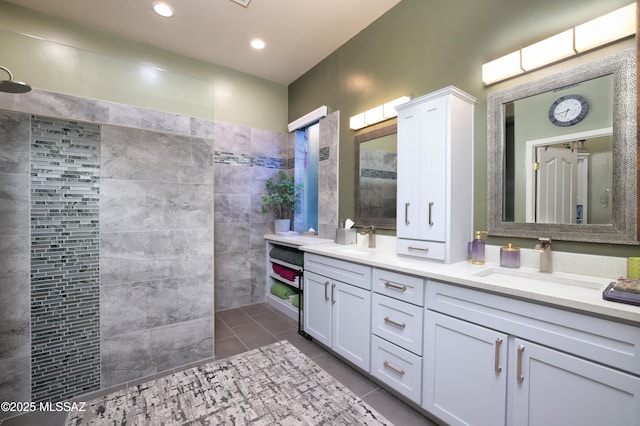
(585, 296)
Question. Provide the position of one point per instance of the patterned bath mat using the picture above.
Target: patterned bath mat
(272, 385)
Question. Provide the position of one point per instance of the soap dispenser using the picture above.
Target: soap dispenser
(477, 248)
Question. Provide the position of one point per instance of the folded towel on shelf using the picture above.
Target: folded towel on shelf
(288, 255)
(284, 272)
(296, 301)
(282, 290)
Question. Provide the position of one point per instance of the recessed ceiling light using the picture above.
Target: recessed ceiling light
(256, 43)
(163, 9)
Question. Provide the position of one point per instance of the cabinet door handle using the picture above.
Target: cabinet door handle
(333, 298)
(412, 248)
(430, 213)
(326, 296)
(406, 213)
(395, 286)
(520, 377)
(392, 322)
(392, 368)
(496, 364)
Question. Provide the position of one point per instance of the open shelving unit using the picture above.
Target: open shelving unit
(285, 305)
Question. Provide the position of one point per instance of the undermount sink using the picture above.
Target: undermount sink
(354, 250)
(532, 278)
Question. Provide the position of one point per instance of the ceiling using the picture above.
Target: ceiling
(298, 33)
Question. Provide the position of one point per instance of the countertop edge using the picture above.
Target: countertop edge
(587, 302)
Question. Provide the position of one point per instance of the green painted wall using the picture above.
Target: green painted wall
(423, 45)
(54, 54)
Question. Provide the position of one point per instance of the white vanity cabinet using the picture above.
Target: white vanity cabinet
(494, 360)
(397, 328)
(435, 176)
(465, 377)
(337, 306)
(552, 387)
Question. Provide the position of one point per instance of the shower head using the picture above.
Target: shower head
(12, 86)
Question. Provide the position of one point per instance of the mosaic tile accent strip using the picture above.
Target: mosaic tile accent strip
(251, 161)
(378, 174)
(324, 153)
(275, 384)
(65, 307)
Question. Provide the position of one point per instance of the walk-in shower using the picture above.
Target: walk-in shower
(11, 85)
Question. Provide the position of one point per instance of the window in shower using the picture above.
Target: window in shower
(306, 173)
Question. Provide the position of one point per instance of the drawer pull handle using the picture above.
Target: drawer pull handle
(392, 322)
(519, 375)
(412, 248)
(496, 365)
(392, 368)
(326, 296)
(333, 296)
(395, 286)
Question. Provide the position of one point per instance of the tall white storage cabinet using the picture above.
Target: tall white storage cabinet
(435, 176)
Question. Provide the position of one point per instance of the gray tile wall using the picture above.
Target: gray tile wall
(328, 176)
(156, 229)
(155, 252)
(65, 294)
(15, 299)
(245, 158)
(156, 238)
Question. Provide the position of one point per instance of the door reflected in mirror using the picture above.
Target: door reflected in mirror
(556, 170)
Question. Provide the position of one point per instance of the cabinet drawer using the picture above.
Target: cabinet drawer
(398, 322)
(421, 249)
(399, 286)
(399, 369)
(601, 340)
(348, 272)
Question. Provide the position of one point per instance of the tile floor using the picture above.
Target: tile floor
(248, 327)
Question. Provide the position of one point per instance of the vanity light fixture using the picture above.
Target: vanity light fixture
(502, 68)
(608, 28)
(377, 114)
(163, 9)
(613, 26)
(549, 50)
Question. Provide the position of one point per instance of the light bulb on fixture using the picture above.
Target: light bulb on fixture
(163, 9)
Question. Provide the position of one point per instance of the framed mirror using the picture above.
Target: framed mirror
(375, 177)
(562, 155)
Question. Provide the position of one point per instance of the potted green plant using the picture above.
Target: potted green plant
(281, 199)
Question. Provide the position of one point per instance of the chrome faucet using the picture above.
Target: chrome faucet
(372, 235)
(544, 248)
